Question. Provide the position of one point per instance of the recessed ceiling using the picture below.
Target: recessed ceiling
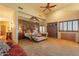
(34, 8)
(37, 6)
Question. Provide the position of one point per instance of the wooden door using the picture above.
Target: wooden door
(3, 29)
(52, 29)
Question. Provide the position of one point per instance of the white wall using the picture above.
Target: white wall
(68, 13)
(62, 16)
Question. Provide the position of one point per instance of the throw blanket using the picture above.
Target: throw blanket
(16, 50)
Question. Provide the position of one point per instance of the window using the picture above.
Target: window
(61, 26)
(42, 29)
(68, 25)
(65, 26)
(75, 25)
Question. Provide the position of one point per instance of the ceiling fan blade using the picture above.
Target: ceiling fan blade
(42, 7)
(52, 6)
(49, 9)
(32, 18)
(36, 18)
(45, 9)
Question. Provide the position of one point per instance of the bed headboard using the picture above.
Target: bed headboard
(27, 25)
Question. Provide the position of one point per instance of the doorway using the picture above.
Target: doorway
(3, 29)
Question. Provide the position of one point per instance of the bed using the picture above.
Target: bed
(38, 37)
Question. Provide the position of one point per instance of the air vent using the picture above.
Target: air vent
(20, 8)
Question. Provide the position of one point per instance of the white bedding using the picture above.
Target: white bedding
(39, 38)
(28, 35)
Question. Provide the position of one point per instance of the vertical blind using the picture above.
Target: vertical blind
(69, 25)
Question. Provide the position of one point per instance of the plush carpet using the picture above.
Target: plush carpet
(45, 49)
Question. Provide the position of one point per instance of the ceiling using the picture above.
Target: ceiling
(58, 6)
(37, 6)
(5, 13)
(35, 10)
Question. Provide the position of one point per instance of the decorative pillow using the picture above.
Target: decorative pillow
(28, 35)
(10, 44)
(4, 48)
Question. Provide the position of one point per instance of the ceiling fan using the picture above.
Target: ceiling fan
(34, 18)
(47, 7)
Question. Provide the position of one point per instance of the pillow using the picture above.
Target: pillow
(10, 44)
(4, 48)
(27, 35)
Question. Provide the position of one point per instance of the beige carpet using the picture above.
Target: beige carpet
(45, 49)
